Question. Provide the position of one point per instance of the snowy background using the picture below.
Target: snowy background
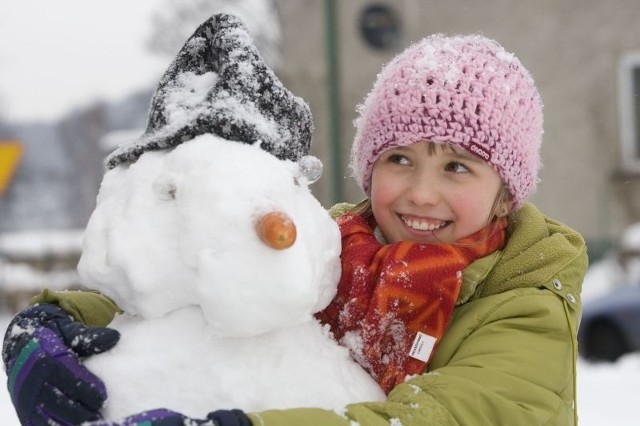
(100, 66)
(59, 56)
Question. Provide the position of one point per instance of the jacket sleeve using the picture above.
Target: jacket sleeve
(88, 307)
(510, 360)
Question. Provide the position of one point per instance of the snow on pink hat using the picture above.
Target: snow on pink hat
(464, 91)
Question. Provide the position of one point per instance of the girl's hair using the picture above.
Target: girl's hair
(462, 91)
(363, 209)
(502, 205)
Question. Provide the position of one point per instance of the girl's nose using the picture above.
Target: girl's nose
(424, 190)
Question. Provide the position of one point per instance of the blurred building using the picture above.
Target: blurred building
(582, 54)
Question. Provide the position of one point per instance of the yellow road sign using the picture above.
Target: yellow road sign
(10, 152)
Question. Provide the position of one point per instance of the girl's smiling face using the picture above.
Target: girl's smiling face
(433, 193)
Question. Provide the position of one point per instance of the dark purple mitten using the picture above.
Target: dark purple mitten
(47, 382)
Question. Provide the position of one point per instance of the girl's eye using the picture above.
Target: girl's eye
(398, 159)
(456, 167)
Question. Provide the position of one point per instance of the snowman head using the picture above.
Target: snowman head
(181, 213)
(186, 227)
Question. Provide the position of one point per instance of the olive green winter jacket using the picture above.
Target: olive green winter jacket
(507, 358)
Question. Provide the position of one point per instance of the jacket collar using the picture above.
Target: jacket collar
(538, 251)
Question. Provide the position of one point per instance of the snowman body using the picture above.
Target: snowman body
(215, 318)
(194, 372)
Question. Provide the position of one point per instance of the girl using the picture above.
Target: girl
(458, 296)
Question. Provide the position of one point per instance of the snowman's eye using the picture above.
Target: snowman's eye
(165, 188)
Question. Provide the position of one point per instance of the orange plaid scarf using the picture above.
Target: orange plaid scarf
(394, 301)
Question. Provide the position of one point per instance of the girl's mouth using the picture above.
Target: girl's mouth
(419, 224)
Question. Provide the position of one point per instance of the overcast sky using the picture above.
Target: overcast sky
(56, 55)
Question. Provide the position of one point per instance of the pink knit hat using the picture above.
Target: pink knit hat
(465, 91)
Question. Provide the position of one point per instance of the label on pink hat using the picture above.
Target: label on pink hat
(479, 151)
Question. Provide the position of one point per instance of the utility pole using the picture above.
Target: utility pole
(333, 78)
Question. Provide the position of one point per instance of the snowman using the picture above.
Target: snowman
(207, 236)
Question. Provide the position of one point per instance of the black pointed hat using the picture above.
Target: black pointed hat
(219, 84)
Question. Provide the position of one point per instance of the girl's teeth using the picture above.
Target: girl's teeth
(423, 226)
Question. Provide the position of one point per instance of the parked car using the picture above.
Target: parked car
(610, 325)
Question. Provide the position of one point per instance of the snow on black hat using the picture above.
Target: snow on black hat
(219, 84)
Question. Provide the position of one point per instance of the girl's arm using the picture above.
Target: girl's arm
(506, 359)
(88, 307)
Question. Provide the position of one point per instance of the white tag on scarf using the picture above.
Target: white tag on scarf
(422, 346)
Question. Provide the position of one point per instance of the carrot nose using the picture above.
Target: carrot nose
(276, 229)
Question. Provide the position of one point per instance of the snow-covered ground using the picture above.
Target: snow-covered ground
(607, 392)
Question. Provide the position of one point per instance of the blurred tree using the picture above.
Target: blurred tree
(176, 21)
(6, 132)
(79, 133)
